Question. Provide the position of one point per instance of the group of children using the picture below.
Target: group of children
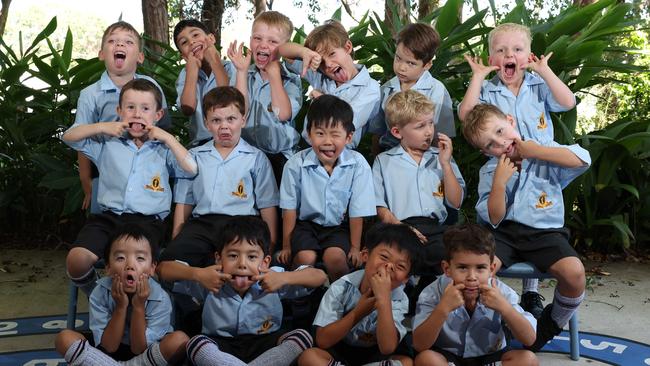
(242, 170)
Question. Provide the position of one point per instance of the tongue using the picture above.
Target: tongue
(510, 70)
(262, 58)
(329, 154)
(241, 281)
(119, 61)
(340, 74)
(136, 127)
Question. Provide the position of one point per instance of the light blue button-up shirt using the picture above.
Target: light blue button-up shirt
(227, 314)
(464, 335)
(343, 295)
(132, 180)
(411, 190)
(531, 108)
(361, 92)
(98, 102)
(432, 88)
(157, 312)
(533, 195)
(240, 184)
(263, 128)
(324, 199)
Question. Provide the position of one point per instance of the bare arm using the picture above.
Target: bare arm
(270, 216)
(209, 277)
(497, 197)
(559, 89)
(279, 96)
(521, 329)
(356, 229)
(289, 218)
(185, 160)
(558, 155)
(241, 63)
(387, 334)
(181, 213)
(453, 190)
(479, 73)
(291, 51)
(307, 277)
(386, 216)
(213, 58)
(188, 95)
(334, 332)
(85, 176)
(85, 131)
(425, 335)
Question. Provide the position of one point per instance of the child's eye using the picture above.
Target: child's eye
(252, 257)
(401, 268)
(383, 256)
(411, 63)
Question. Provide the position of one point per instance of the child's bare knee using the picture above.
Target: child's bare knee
(65, 339)
(79, 261)
(173, 345)
(305, 257)
(430, 358)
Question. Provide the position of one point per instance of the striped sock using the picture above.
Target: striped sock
(299, 336)
(564, 308)
(530, 285)
(80, 353)
(86, 282)
(202, 350)
(335, 363)
(151, 357)
(290, 346)
(385, 363)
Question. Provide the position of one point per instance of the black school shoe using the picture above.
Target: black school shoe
(532, 303)
(546, 329)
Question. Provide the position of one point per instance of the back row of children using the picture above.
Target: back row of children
(325, 191)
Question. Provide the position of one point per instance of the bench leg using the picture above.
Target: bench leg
(574, 337)
(72, 306)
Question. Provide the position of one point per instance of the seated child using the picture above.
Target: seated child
(130, 313)
(121, 52)
(520, 198)
(460, 317)
(234, 179)
(138, 159)
(414, 180)
(416, 46)
(242, 316)
(359, 320)
(203, 72)
(328, 189)
(328, 50)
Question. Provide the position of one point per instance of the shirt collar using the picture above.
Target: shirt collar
(242, 146)
(106, 83)
(495, 84)
(423, 83)
(399, 150)
(362, 77)
(311, 159)
(284, 72)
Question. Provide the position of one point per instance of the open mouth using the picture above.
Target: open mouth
(225, 136)
(130, 280)
(328, 153)
(262, 57)
(339, 74)
(120, 57)
(510, 69)
(136, 126)
(197, 49)
(242, 281)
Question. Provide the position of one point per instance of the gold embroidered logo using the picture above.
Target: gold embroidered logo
(240, 192)
(266, 326)
(542, 122)
(155, 184)
(542, 202)
(441, 191)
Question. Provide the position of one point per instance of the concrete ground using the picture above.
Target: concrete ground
(33, 283)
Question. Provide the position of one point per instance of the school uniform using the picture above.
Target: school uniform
(414, 193)
(323, 202)
(240, 184)
(465, 335)
(533, 226)
(360, 344)
(361, 92)
(432, 88)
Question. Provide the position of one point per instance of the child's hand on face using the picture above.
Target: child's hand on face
(118, 294)
(538, 64)
(354, 256)
(452, 298)
(212, 278)
(380, 283)
(192, 63)
(445, 148)
(237, 57)
(492, 297)
(526, 149)
(365, 305)
(310, 60)
(115, 129)
(157, 133)
(141, 291)
(478, 69)
(270, 281)
(505, 169)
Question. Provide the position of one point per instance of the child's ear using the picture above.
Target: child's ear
(348, 47)
(511, 120)
(140, 57)
(395, 132)
(266, 262)
(364, 255)
(100, 54)
(152, 270)
(159, 115)
(217, 258)
(212, 38)
(493, 267)
(348, 137)
(428, 65)
(445, 268)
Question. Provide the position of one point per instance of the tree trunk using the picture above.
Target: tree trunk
(260, 7)
(211, 16)
(156, 23)
(402, 8)
(4, 13)
(425, 7)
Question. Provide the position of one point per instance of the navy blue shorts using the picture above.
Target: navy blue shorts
(195, 244)
(311, 236)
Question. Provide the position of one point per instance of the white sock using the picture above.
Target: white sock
(203, 351)
(564, 308)
(80, 353)
(385, 363)
(530, 285)
(151, 357)
(292, 344)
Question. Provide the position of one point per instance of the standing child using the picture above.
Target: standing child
(325, 193)
(416, 46)
(413, 180)
(359, 321)
(242, 316)
(130, 314)
(138, 159)
(328, 50)
(121, 51)
(460, 316)
(520, 198)
(203, 72)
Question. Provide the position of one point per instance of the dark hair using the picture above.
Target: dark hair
(185, 23)
(222, 97)
(421, 39)
(400, 236)
(468, 237)
(131, 231)
(125, 26)
(330, 111)
(250, 228)
(143, 85)
(474, 123)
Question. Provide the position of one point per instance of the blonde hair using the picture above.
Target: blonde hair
(406, 106)
(509, 27)
(328, 36)
(275, 19)
(475, 121)
(123, 26)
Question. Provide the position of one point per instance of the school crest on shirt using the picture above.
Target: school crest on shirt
(542, 202)
(542, 122)
(155, 184)
(441, 191)
(240, 191)
(266, 326)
